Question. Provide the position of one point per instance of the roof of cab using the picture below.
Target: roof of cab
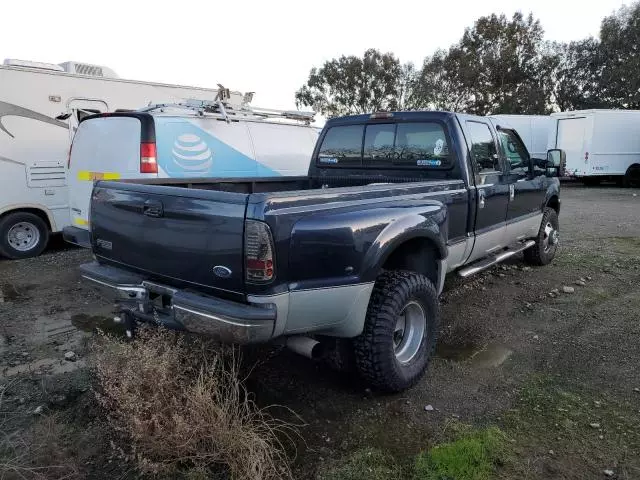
(396, 116)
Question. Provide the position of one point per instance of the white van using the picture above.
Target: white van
(600, 144)
(187, 140)
(40, 107)
(533, 130)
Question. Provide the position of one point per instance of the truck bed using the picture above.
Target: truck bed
(178, 231)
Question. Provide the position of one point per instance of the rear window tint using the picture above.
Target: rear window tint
(422, 144)
(412, 144)
(379, 142)
(342, 146)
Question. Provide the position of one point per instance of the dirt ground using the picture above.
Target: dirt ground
(558, 372)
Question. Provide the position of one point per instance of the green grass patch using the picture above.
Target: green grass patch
(473, 456)
(365, 464)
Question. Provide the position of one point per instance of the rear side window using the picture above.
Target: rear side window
(483, 147)
(342, 146)
(411, 144)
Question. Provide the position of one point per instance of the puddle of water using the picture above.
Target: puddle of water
(491, 355)
(89, 323)
(456, 353)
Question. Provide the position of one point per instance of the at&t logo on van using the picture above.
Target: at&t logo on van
(191, 153)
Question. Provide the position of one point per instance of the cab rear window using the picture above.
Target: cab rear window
(411, 144)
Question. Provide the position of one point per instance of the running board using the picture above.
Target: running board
(495, 258)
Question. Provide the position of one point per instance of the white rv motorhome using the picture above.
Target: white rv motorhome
(533, 130)
(600, 144)
(40, 107)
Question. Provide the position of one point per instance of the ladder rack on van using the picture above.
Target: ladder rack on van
(230, 112)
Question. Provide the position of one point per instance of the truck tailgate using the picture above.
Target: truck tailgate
(177, 235)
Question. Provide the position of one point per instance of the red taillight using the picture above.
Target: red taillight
(258, 252)
(148, 162)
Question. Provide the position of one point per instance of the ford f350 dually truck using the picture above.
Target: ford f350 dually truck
(357, 251)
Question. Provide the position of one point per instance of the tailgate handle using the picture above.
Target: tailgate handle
(153, 209)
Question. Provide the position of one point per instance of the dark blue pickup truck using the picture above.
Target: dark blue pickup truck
(356, 251)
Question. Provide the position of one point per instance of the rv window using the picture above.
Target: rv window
(85, 112)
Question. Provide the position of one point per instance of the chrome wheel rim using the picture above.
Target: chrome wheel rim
(551, 237)
(409, 331)
(23, 236)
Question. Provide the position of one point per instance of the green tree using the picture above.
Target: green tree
(351, 85)
(619, 57)
(499, 66)
(577, 77)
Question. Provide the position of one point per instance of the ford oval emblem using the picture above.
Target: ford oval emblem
(221, 271)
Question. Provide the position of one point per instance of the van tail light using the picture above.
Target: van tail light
(148, 163)
(258, 252)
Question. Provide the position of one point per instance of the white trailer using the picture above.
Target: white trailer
(40, 107)
(600, 144)
(533, 130)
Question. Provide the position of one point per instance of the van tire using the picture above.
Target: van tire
(632, 177)
(23, 227)
(543, 252)
(378, 357)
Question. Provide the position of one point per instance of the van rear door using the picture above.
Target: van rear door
(104, 148)
(571, 137)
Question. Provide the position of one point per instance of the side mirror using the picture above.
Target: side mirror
(556, 159)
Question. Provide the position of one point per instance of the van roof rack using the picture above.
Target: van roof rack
(233, 112)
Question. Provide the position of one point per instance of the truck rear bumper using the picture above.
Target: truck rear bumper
(225, 321)
(77, 236)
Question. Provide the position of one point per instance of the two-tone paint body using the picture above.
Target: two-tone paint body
(333, 232)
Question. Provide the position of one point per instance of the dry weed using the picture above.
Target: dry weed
(182, 406)
(40, 453)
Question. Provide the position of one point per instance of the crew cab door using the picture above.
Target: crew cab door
(492, 188)
(527, 187)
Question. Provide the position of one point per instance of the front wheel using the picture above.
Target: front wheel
(22, 235)
(547, 240)
(400, 331)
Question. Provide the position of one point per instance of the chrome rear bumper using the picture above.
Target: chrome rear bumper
(226, 321)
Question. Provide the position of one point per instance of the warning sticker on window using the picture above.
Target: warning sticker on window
(329, 160)
(428, 163)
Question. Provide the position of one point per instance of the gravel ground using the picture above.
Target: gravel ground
(506, 337)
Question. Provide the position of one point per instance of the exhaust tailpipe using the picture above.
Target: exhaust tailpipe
(305, 346)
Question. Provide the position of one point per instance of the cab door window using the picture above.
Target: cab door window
(484, 154)
(514, 151)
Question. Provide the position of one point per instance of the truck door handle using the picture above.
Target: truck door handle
(153, 209)
(481, 195)
(512, 191)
